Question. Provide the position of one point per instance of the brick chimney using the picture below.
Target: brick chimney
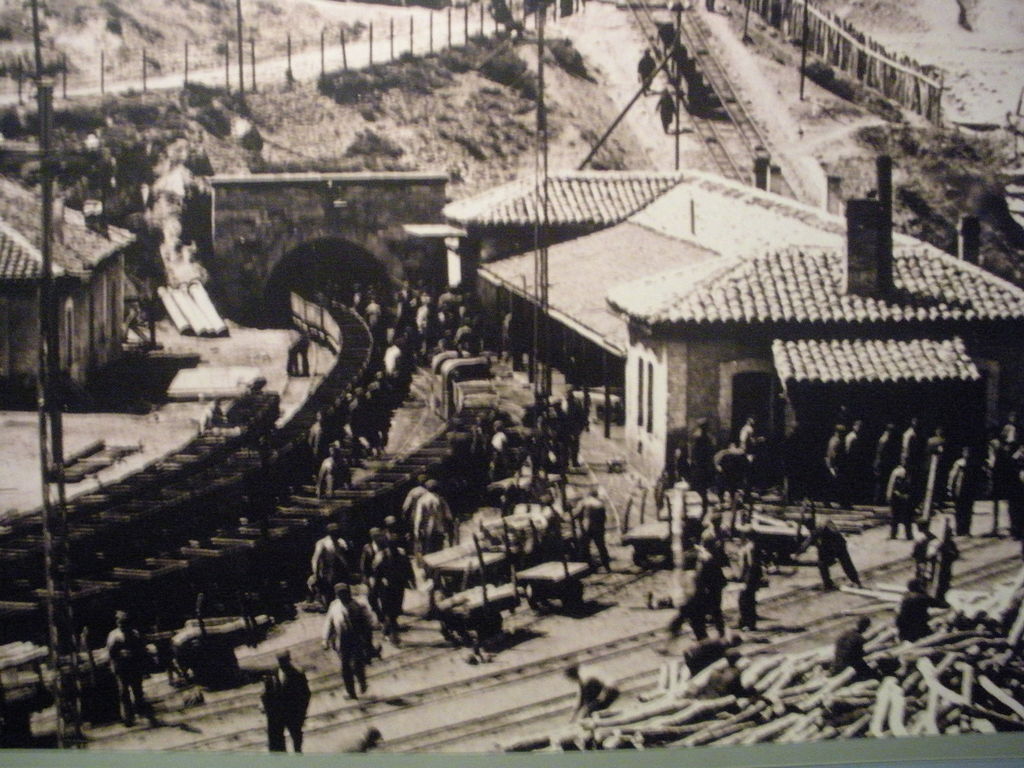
(968, 239)
(868, 263)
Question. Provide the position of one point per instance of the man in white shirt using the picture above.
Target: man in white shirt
(433, 526)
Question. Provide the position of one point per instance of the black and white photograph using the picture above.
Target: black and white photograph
(510, 376)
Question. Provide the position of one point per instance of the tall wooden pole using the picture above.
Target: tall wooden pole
(678, 8)
(803, 51)
(143, 70)
(51, 432)
(185, 80)
(241, 50)
(227, 67)
(252, 62)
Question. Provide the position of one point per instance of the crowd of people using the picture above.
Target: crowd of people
(899, 467)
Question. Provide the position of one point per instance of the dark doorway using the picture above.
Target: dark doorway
(752, 396)
(331, 267)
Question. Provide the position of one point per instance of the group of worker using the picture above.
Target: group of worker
(898, 467)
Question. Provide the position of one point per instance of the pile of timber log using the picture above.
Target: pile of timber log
(967, 676)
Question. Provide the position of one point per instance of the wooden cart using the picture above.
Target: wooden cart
(473, 616)
(651, 543)
(554, 580)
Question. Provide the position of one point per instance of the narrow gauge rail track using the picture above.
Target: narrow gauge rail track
(176, 526)
(731, 143)
(560, 706)
(371, 710)
(221, 705)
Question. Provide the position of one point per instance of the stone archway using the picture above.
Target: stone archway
(332, 266)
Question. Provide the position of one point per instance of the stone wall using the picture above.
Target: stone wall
(258, 219)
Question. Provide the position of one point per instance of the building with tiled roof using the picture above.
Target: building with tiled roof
(735, 302)
(88, 267)
(502, 220)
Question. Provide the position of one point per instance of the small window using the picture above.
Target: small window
(640, 392)
(650, 397)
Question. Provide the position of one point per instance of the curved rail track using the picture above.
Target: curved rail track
(208, 517)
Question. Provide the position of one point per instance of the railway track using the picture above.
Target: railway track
(234, 719)
(728, 133)
(819, 631)
(181, 525)
(243, 704)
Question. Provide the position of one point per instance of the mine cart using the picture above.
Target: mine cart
(651, 542)
(554, 580)
(23, 690)
(779, 540)
(472, 616)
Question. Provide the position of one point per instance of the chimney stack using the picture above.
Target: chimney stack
(762, 169)
(834, 195)
(968, 239)
(883, 168)
(868, 264)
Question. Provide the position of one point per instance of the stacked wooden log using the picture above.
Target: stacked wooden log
(967, 676)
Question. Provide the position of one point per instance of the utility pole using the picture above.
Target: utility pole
(803, 51)
(51, 434)
(542, 382)
(241, 51)
(676, 75)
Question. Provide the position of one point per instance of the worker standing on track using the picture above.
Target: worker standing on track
(129, 660)
(348, 629)
(963, 485)
(285, 701)
(433, 524)
(595, 693)
(593, 516)
(898, 493)
(752, 577)
(329, 564)
(391, 573)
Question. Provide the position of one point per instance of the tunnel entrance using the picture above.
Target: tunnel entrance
(329, 266)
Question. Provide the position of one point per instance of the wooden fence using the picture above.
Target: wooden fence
(844, 47)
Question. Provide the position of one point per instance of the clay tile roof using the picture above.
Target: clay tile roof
(872, 360)
(596, 198)
(805, 285)
(76, 248)
(19, 259)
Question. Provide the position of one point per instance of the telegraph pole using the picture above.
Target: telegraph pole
(51, 436)
(541, 345)
(241, 51)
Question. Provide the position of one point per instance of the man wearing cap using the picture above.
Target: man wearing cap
(285, 701)
(390, 573)
(329, 563)
(128, 661)
(348, 629)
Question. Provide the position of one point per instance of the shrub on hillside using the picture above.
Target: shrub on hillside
(409, 74)
(569, 59)
(371, 144)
